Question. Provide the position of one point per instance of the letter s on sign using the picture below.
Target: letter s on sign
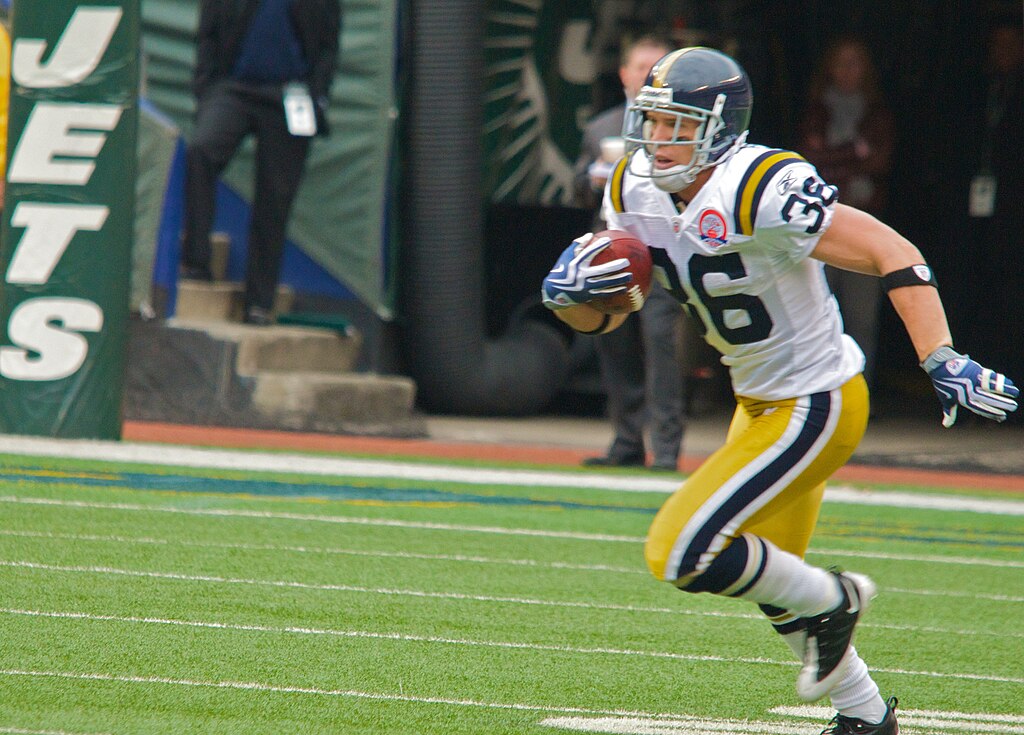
(59, 351)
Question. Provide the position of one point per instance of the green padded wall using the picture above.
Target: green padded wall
(67, 229)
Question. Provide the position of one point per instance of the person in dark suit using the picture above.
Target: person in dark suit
(263, 67)
(640, 361)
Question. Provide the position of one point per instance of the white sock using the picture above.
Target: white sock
(856, 694)
(790, 583)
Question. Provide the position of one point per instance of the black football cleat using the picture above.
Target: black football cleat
(827, 652)
(852, 726)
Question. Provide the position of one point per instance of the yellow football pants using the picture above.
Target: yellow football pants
(767, 480)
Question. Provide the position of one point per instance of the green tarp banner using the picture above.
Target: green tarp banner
(339, 216)
(67, 227)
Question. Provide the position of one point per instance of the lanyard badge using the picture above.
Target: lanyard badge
(299, 112)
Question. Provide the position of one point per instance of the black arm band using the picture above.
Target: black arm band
(599, 328)
(914, 275)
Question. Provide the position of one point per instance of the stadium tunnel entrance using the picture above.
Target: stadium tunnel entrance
(498, 93)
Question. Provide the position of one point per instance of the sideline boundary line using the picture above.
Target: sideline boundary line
(516, 452)
(298, 464)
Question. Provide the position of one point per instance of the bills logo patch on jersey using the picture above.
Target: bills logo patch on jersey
(711, 227)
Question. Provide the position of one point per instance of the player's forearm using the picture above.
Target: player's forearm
(921, 310)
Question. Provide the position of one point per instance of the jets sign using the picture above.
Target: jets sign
(68, 217)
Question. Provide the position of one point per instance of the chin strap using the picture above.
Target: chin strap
(673, 182)
(676, 182)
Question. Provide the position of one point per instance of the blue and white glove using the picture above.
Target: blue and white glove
(575, 280)
(960, 381)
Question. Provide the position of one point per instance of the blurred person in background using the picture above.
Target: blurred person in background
(640, 362)
(995, 191)
(263, 68)
(848, 132)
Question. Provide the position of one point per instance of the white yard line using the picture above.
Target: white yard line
(326, 550)
(599, 651)
(457, 558)
(529, 563)
(926, 558)
(305, 464)
(580, 719)
(909, 724)
(929, 721)
(308, 517)
(462, 528)
(513, 645)
(322, 692)
(954, 593)
(646, 726)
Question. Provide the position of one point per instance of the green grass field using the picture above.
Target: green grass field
(136, 598)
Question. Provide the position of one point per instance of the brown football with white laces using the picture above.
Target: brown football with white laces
(625, 245)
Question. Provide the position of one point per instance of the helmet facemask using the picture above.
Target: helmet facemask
(707, 145)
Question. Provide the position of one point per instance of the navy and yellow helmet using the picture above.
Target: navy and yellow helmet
(697, 83)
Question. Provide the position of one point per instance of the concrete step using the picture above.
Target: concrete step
(283, 348)
(273, 377)
(309, 400)
(221, 301)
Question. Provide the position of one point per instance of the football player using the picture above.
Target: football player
(740, 234)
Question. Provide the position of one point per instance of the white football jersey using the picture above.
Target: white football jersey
(736, 256)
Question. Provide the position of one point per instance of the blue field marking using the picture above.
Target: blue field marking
(1006, 540)
(282, 489)
(994, 544)
(426, 496)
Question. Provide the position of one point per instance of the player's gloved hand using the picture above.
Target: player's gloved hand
(576, 280)
(960, 381)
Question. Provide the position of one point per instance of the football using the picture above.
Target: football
(625, 245)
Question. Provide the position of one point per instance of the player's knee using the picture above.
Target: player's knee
(658, 553)
(717, 573)
(656, 556)
(728, 571)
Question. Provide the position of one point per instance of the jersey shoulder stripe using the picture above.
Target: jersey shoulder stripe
(753, 183)
(618, 181)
